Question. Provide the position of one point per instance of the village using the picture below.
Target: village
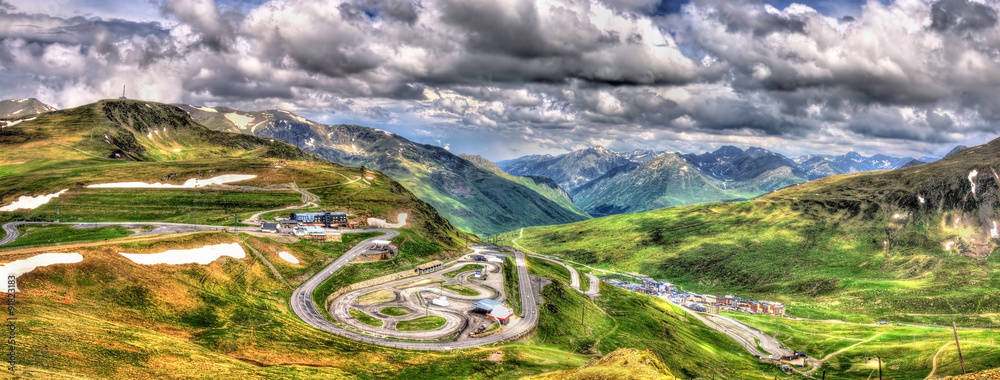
(705, 303)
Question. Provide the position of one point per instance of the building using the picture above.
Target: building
(441, 301)
(429, 267)
(487, 304)
(713, 309)
(501, 314)
(288, 223)
(309, 231)
(708, 298)
(325, 218)
(383, 249)
(269, 227)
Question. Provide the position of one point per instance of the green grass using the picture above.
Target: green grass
(906, 351)
(45, 235)
(621, 318)
(466, 268)
(421, 324)
(822, 262)
(510, 288)
(394, 311)
(376, 297)
(461, 289)
(363, 317)
(193, 206)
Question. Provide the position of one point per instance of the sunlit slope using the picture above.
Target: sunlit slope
(474, 199)
(136, 141)
(870, 244)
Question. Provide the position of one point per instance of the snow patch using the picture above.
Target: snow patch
(189, 184)
(921, 199)
(995, 231)
(203, 255)
(30, 203)
(149, 135)
(205, 109)
(288, 257)
(18, 267)
(239, 119)
(896, 216)
(382, 223)
(21, 100)
(177, 150)
(972, 175)
(948, 244)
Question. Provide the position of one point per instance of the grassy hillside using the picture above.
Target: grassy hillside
(127, 141)
(474, 199)
(621, 319)
(854, 247)
(625, 364)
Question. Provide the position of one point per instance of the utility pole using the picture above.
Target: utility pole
(954, 329)
(879, 367)
(583, 312)
(824, 374)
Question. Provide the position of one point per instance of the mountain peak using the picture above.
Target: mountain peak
(956, 149)
(728, 150)
(19, 108)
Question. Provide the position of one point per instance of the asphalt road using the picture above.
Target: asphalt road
(574, 278)
(161, 228)
(304, 307)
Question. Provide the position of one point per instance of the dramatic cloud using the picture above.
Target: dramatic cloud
(505, 78)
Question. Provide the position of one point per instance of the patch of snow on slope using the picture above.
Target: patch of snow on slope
(203, 255)
(921, 199)
(948, 244)
(995, 231)
(972, 175)
(189, 184)
(19, 267)
(288, 257)
(205, 109)
(238, 119)
(382, 223)
(30, 203)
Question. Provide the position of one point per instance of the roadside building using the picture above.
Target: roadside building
(288, 223)
(501, 314)
(708, 298)
(429, 267)
(269, 227)
(309, 231)
(487, 304)
(495, 260)
(713, 309)
(324, 218)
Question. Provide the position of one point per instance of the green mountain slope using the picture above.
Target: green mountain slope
(22, 108)
(472, 198)
(136, 141)
(669, 180)
(908, 244)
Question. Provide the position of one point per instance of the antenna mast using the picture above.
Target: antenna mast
(123, 92)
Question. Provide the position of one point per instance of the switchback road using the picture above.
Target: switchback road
(304, 307)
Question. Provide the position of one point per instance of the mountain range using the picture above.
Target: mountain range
(474, 198)
(20, 108)
(604, 182)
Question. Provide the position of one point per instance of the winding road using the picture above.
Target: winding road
(574, 277)
(304, 307)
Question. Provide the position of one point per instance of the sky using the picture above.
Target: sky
(509, 78)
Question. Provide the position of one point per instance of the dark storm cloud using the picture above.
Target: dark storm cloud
(735, 16)
(962, 15)
(553, 72)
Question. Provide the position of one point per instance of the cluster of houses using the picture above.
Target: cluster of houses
(698, 302)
